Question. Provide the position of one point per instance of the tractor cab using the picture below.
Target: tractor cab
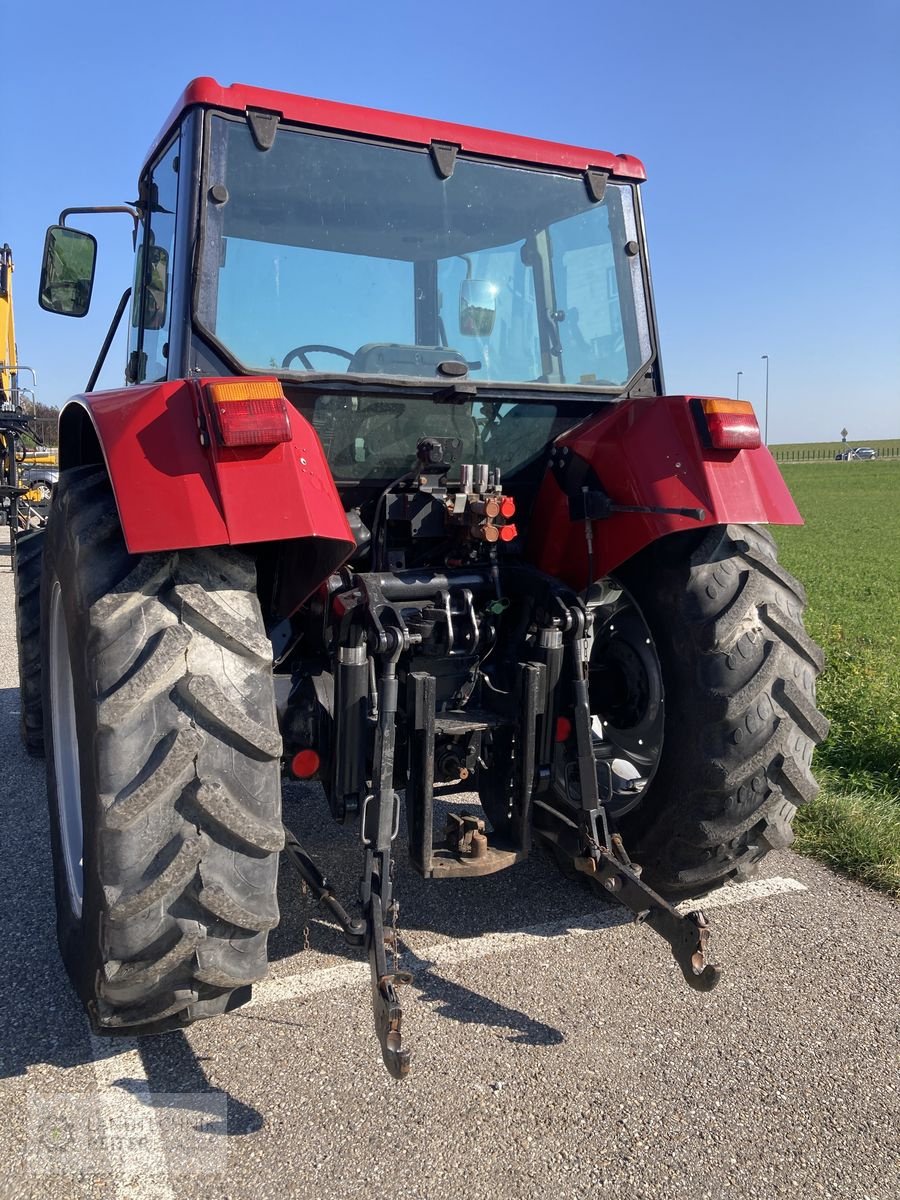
(350, 252)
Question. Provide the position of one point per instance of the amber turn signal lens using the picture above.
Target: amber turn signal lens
(731, 424)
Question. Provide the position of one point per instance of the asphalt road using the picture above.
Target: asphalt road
(557, 1053)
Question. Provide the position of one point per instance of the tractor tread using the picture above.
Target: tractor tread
(742, 721)
(172, 878)
(218, 801)
(169, 767)
(27, 559)
(181, 849)
(205, 612)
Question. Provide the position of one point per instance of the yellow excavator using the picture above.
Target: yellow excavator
(13, 421)
(8, 357)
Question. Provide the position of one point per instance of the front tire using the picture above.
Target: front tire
(163, 768)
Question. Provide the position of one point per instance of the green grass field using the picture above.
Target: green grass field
(848, 557)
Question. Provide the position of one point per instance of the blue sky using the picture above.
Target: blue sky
(770, 132)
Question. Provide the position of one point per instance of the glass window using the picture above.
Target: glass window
(512, 350)
(154, 269)
(375, 437)
(362, 248)
(303, 296)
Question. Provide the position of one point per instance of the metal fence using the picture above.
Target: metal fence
(825, 454)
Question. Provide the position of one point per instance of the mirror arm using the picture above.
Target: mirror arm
(113, 208)
(108, 340)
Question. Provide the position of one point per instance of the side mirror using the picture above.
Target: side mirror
(67, 271)
(156, 284)
(477, 307)
(156, 288)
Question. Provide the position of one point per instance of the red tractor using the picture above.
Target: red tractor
(394, 448)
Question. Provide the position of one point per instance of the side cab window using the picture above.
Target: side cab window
(148, 342)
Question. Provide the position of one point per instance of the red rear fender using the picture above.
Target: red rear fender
(649, 452)
(174, 493)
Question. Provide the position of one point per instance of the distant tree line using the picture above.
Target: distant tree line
(44, 420)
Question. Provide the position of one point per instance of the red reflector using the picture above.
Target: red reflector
(305, 763)
(731, 424)
(252, 422)
(249, 412)
(507, 533)
(563, 729)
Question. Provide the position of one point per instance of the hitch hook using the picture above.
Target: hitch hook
(687, 935)
(385, 1001)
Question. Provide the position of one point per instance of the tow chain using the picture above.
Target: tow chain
(304, 892)
(395, 936)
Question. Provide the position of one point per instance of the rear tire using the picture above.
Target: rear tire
(27, 556)
(741, 723)
(162, 736)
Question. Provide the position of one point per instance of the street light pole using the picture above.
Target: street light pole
(766, 420)
(738, 393)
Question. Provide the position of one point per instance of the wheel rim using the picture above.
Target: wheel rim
(626, 695)
(65, 752)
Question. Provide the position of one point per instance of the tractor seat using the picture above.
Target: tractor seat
(393, 358)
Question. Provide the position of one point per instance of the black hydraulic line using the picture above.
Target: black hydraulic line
(378, 534)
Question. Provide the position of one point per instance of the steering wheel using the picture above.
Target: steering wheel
(311, 348)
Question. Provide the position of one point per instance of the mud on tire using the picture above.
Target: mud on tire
(27, 569)
(179, 769)
(741, 720)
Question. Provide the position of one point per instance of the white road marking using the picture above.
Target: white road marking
(450, 953)
(126, 1100)
(139, 1169)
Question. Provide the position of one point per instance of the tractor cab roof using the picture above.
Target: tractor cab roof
(396, 127)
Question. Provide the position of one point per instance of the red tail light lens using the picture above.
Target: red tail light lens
(730, 424)
(249, 412)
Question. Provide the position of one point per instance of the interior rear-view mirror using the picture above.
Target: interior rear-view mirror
(477, 307)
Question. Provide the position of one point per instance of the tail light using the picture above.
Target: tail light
(729, 424)
(249, 412)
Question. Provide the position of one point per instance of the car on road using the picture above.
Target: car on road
(860, 452)
(40, 478)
